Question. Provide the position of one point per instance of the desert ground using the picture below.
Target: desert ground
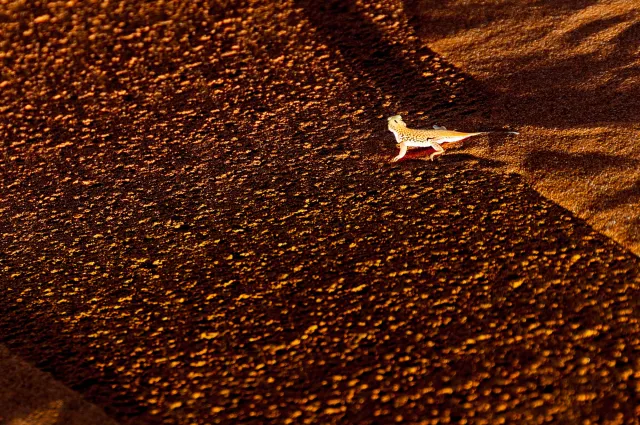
(199, 222)
(568, 76)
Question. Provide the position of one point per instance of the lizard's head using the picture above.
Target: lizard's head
(396, 122)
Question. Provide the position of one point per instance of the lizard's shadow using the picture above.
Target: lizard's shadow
(465, 157)
(422, 154)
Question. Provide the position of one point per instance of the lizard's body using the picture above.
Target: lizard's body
(410, 137)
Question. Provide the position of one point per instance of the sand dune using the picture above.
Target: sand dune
(568, 77)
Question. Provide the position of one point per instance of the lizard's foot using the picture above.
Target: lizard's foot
(435, 155)
(403, 152)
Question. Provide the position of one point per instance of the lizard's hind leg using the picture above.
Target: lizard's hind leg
(439, 151)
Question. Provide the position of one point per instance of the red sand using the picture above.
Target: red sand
(200, 223)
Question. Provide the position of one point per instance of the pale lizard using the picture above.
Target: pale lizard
(409, 137)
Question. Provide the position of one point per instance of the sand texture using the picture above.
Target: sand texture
(199, 223)
(567, 75)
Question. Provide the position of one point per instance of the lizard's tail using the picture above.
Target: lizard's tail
(498, 131)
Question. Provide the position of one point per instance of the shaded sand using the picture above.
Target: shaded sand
(31, 397)
(568, 77)
(199, 224)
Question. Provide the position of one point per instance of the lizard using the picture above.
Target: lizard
(409, 137)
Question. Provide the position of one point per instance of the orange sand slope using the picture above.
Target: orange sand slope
(567, 75)
(31, 397)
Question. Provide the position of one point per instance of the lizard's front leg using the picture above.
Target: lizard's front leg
(403, 151)
(439, 150)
